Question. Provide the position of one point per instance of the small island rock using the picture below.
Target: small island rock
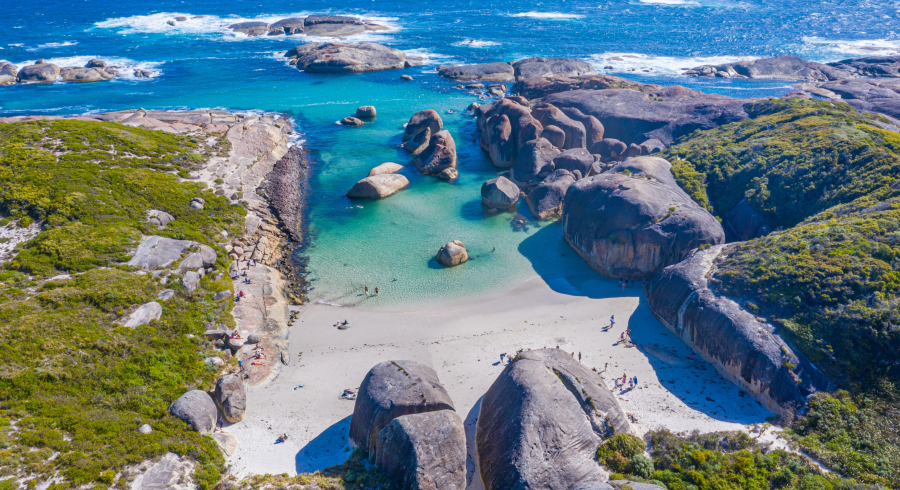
(452, 254)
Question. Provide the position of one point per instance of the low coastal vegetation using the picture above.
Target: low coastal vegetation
(74, 385)
(825, 178)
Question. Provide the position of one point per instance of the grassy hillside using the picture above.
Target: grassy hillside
(75, 386)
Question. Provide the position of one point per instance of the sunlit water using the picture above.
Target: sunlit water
(391, 244)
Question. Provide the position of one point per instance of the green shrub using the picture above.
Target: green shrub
(640, 465)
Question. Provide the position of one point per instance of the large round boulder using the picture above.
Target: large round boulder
(392, 389)
(422, 120)
(630, 225)
(41, 73)
(196, 409)
(575, 159)
(439, 155)
(424, 451)
(366, 112)
(231, 398)
(593, 128)
(378, 186)
(549, 115)
(502, 149)
(499, 193)
(533, 163)
(555, 135)
(452, 254)
(546, 200)
(541, 423)
(348, 58)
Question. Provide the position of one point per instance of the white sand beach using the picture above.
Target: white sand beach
(463, 342)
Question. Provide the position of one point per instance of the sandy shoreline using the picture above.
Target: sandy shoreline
(463, 342)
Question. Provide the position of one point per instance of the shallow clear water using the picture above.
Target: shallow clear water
(199, 64)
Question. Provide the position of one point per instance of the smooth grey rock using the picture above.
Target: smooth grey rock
(780, 67)
(226, 441)
(418, 143)
(871, 66)
(145, 429)
(214, 361)
(171, 472)
(610, 149)
(452, 254)
(439, 155)
(875, 95)
(575, 159)
(594, 130)
(743, 349)
(533, 163)
(196, 409)
(235, 344)
(159, 218)
(231, 398)
(392, 389)
(191, 281)
(489, 72)
(550, 115)
(193, 261)
(541, 423)
(253, 338)
(551, 68)
(654, 145)
(378, 186)
(8, 73)
(631, 485)
(288, 27)
(251, 29)
(83, 75)
(222, 295)
(165, 294)
(499, 193)
(40, 73)
(352, 121)
(386, 168)
(349, 58)
(215, 334)
(631, 226)
(502, 148)
(424, 451)
(366, 112)
(145, 314)
(422, 120)
(208, 255)
(546, 200)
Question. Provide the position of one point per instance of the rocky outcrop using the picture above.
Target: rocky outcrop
(231, 398)
(575, 160)
(551, 68)
(191, 281)
(313, 26)
(438, 156)
(871, 66)
(875, 95)
(541, 423)
(393, 389)
(38, 73)
(288, 27)
(499, 193)
(251, 29)
(145, 314)
(546, 200)
(84, 75)
(744, 348)
(155, 252)
(630, 226)
(8, 73)
(284, 190)
(378, 186)
(421, 121)
(159, 218)
(226, 441)
(366, 112)
(424, 451)
(533, 163)
(780, 67)
(171, 472)
(196, 409)
(452, 254)
(349, 58)
(550, 115)
(488, 72)
(386, 168)
(533, 88)
(352, 121)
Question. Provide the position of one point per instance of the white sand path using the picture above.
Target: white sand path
(463, 342)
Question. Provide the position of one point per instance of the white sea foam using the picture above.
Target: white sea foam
(428, 57)
(126, 66)
(476, 43)
(547, 15)
(647, 64)
(16, 45)
(53, 45)
(669, 2)
(834, 49)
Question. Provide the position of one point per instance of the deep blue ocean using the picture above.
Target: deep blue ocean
(391, 243)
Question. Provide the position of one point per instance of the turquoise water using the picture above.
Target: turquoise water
(199, 64)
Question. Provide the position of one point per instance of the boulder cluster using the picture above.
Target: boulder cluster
(43, 72)
(313, 25)
(433, 147)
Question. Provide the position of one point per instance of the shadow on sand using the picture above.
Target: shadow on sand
(327, 449)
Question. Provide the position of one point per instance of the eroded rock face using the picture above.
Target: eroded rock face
(744, 349)
(392, 389)
(546, 200)
(489, 72)
(378, 186)
(284, 190)
(438, 156)
(231, 398)
(541, 423)
(428, 119)
(196, 409)
(452, 254)
(780, 67)
(499, 193)
(349, 58)
(631, 226)
(533, 163)
(424, 451)
(551, 68)
(871, 66)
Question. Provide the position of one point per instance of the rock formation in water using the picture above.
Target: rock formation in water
(337, 26)
(780, 67)
(551, 68)
(499, 193)
(452, 254)
(546, 200)
(349, 58)
(439, 155)
(284, 190)
(488, 72)
(378, 186)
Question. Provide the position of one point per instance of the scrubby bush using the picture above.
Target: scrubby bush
(640, 465)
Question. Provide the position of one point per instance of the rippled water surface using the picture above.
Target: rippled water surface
(391, 243)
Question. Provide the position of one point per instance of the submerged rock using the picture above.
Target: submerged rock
(452, 254)
(424, 451)
(378, 186)
(196, 409)
(349, 58)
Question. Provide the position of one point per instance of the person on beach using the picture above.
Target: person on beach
(579, 357)
(605, 367)
(367, 291)
(612, 321)
(376, 291)
(502, 355)
(240, 365)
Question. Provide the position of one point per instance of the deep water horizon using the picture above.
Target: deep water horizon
(391, 243)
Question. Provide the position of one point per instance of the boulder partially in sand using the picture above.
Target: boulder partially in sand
(746, 350)
(428, 119)
(631, 225)
(386, 168)
(779, 67)
(546, 200)
(378, 186)
(392, 389)
(231, 398)
(499, 193)
(349, 58)
(424, 451)
(438, 156)
(145, 314)
(196, 409)
(551, 68)
(489, 72)
(39, 73)
(452, 254)
(541, 423)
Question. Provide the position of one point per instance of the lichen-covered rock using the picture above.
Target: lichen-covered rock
(747, 351)
(196, 409)
(392, 389)
(145, 314)
(439, 155)
(424, 451)
(452, 254)
(378, 186)
(541, 423)
(546, 200)
(231, 398)
(631, 225)
(499, 193)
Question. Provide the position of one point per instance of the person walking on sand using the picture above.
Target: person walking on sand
(367, 291)
(579, 356)
(612, 321)
(502, 355)
(376, 291)
(605, 367)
